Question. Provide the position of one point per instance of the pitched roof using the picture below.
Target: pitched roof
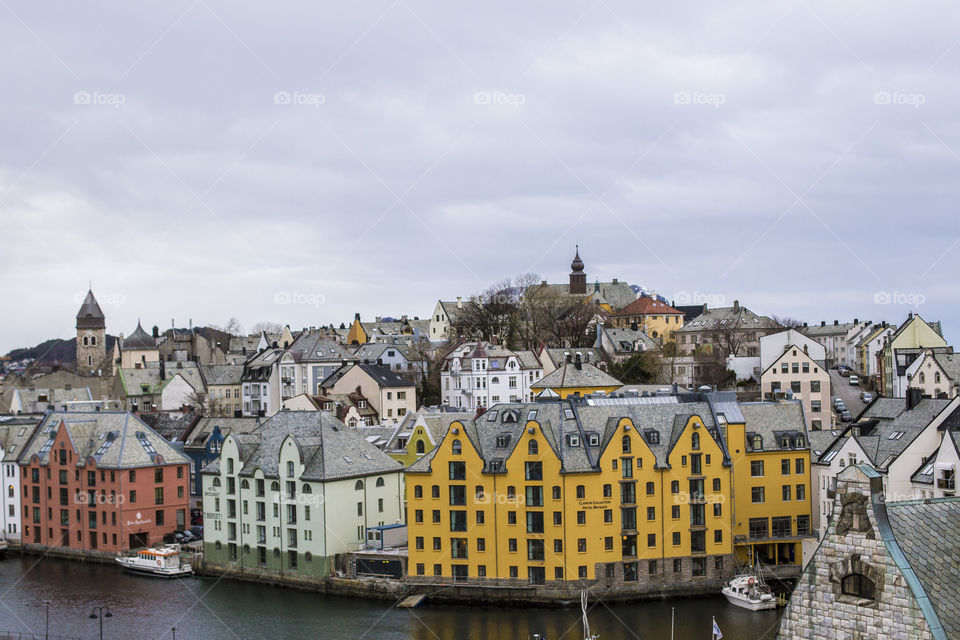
(204, 427)
(826, 329)
(774, 421)
(331, 451)
(949, 362)
(315, 346)
(115, 439)
(172, 425)
(15, 432)
(615, 294)
(646, 305)
(222, 374)
(90, 316)
(928, 534)
(383, 376)
(569, 375)
(625, 339)
(729, 318)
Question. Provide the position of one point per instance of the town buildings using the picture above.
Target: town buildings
(732, 330)
(15, 432)
(294, 494)
(632, 494)
(904, 346)
(38, 400)
(260, 383)
(658, 319)
(101, 481)
(308, 361)
(391, 396)
(576, 377)
(137, 349)
(868, 347)
(835, 339)
(793, 365)
(884, 569)
(480, 374)
(224, 383)
(936, 373)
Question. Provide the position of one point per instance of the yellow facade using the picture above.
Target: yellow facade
(417, 445)
(537, 524)
(567, 392)
(357, 334)
(769, 472)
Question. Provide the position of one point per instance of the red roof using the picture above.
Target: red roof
(647, 306)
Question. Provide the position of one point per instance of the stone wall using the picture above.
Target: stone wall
(819, 611)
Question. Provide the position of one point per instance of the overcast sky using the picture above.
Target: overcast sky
(299, 162)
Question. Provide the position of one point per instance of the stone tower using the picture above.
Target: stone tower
(91, 336)
(578, 279)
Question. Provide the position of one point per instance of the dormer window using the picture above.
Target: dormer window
(492, 417)
(757, 443)
(785, 442)
(511, 416)
(573, 440)
(503, 440)
(593, 439)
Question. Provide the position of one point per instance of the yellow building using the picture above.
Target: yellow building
(771, 474)
(636, 497)
(655, 317)
(576, 378)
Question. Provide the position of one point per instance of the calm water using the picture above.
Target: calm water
(210, 609)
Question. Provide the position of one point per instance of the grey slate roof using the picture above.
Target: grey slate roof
(617, 295)
(381, 375)
(774, 421)
(950, 363)
(558, 356)
(820, 441)
(626, 339)
(90, 316)
(223, 374)
(728, 318)
(330, 449)
(31, 396)
(138, 340)
(568, 375)
(928, 533)
(204, 427)
(172, 425)
(15, 432)
(315, 346)
(90, 431)
(560, 419)
(830, 329)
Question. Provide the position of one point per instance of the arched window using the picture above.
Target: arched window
(289, 467)
(307, 488)
(216, 482)
(695, 441)
(218, 545)
(511, 492)
(420, 447)
(625, 442)
(757, 442)
(244, 484)
(922, 378)
(246, 549)
(359, 485)
(308, 556)
(455, 447)
(85, 341)
(274, 486)
(857, 585)
(93, 340)
(532, 448)
(478, 492)
(380, 482)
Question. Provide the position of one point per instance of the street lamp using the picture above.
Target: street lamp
(173, 630)
(46, 630)
(100, 613)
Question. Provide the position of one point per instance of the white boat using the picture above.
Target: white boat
(748, 591)
(163, 563)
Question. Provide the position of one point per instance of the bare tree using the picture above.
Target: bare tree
(268, 327)
(787, 322)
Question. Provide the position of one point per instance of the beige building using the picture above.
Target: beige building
(805, 379)
(390, 395)
(224, 387)
(935, 373)
(137, 349)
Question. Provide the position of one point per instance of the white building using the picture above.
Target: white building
(296, 494)
(261, 383)
(773, 345)
(15, 433)
(834, 339)
(309, 361)
(481, 374)
(937, 476)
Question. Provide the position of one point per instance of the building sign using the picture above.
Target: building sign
(211, 515)
(595, 504)
(139, 520)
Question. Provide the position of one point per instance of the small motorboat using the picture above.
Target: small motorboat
(750, 592)
(162, 563)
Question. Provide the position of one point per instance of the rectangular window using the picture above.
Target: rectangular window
(756, 468)
(799, 466)
(786, 492)
(757, 494)
(758, 528)
(801, 492)
(534, 522)
(651, 539)
(780, 527)
(785, 467)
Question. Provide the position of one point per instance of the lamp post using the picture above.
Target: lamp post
(46, 629)
(99, 613)
(173, 630)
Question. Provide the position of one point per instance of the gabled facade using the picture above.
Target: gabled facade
(15, 433)
(733, 330)
(658, 319)
(391, 396)
(794, 373)
(309, 360)
(576, 378)
(914, 334)
(296, 494)
(480, 374)
(867, 349)
(936, 374)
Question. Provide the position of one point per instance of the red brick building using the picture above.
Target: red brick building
(101, 481)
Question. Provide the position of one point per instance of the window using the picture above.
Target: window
(434, 490)
(699, 566)
(532, 448)
(651, 513)
(814, 386)
(757, 495)
(581, 517)
(533, 470)
(455, 448)
(780, 527)
(756, 468)
(695, 441)
(799, 466)
(675, 486)
(479, 517)
(803, 525)
(801, 492)
(625, 443)
(581, 545)
(458, 470)
(556, 492)
(858, 586)
(716, 484)
(758, 528)
(581, 492)
(786, 492)
(676, 538)
(675, 511)
(607, 491)
(417, 491)
(651, 539)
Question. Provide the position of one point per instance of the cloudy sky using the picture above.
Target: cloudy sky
(299, 162)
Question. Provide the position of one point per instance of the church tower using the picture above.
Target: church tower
(91, 336)
(578, 279)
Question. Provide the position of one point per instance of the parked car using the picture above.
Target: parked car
(197, 531)
(854, 381)
(866, 397)
(846, 416)
(844, 372)
(840, 408)
(837, 401)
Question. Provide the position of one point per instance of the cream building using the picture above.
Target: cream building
(796, 372)
(390, 395)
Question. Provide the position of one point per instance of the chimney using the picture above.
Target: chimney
(704, 307)
(823, 323)
(586, 357)
(614, 281)
(404, 318)
(805, 350)
(804, 325)
(736, 306)
(856, 321)
(634, 327)
(494, 339)
(578, 363)
(378, 318)
(567, 357)
(156, 331)
(459, 302)
(543, 283)
(914, 396)
(836, 323)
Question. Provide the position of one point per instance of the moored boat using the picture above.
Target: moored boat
(163, 563)
(749, 591)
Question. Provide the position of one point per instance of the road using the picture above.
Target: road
(840, 386)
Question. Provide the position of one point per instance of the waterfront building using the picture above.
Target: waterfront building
(15, 432)
(202, 445)
(101, 481)
(295, 494)
(636, 494)
(884, 569)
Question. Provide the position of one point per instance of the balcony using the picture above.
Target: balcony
(947, 484)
